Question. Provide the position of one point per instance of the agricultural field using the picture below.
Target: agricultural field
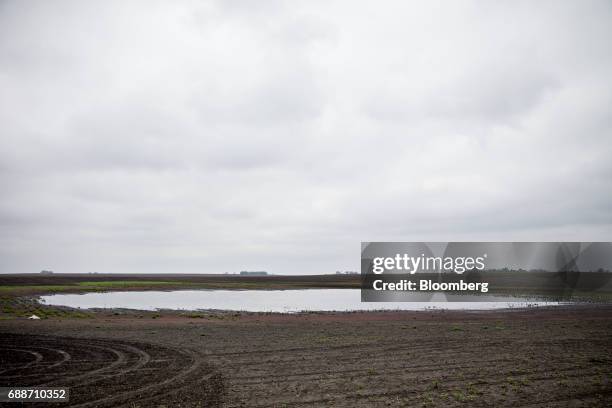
(546, 357)
(533, 357)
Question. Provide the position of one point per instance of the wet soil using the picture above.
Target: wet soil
(537, 358)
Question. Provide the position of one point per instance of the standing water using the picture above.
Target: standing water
(281, 301)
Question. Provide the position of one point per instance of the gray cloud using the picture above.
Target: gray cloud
(225, 135)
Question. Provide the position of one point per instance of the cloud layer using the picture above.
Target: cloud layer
(226, 135)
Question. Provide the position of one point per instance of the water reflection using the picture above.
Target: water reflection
(284, 301)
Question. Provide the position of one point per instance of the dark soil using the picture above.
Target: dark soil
(540, 358)
(109, 373)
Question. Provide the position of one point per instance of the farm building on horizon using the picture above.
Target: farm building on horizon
(254, 273)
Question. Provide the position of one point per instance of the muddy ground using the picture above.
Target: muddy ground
(538, 358)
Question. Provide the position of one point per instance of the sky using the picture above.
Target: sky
(220, 136)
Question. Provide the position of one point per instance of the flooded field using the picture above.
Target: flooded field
(280, 301)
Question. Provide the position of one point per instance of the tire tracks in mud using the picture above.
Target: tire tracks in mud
(109, 373)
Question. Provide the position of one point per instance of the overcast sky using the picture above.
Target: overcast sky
(217, 136)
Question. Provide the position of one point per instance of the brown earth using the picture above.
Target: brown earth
(186, 280)
(538, 358)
